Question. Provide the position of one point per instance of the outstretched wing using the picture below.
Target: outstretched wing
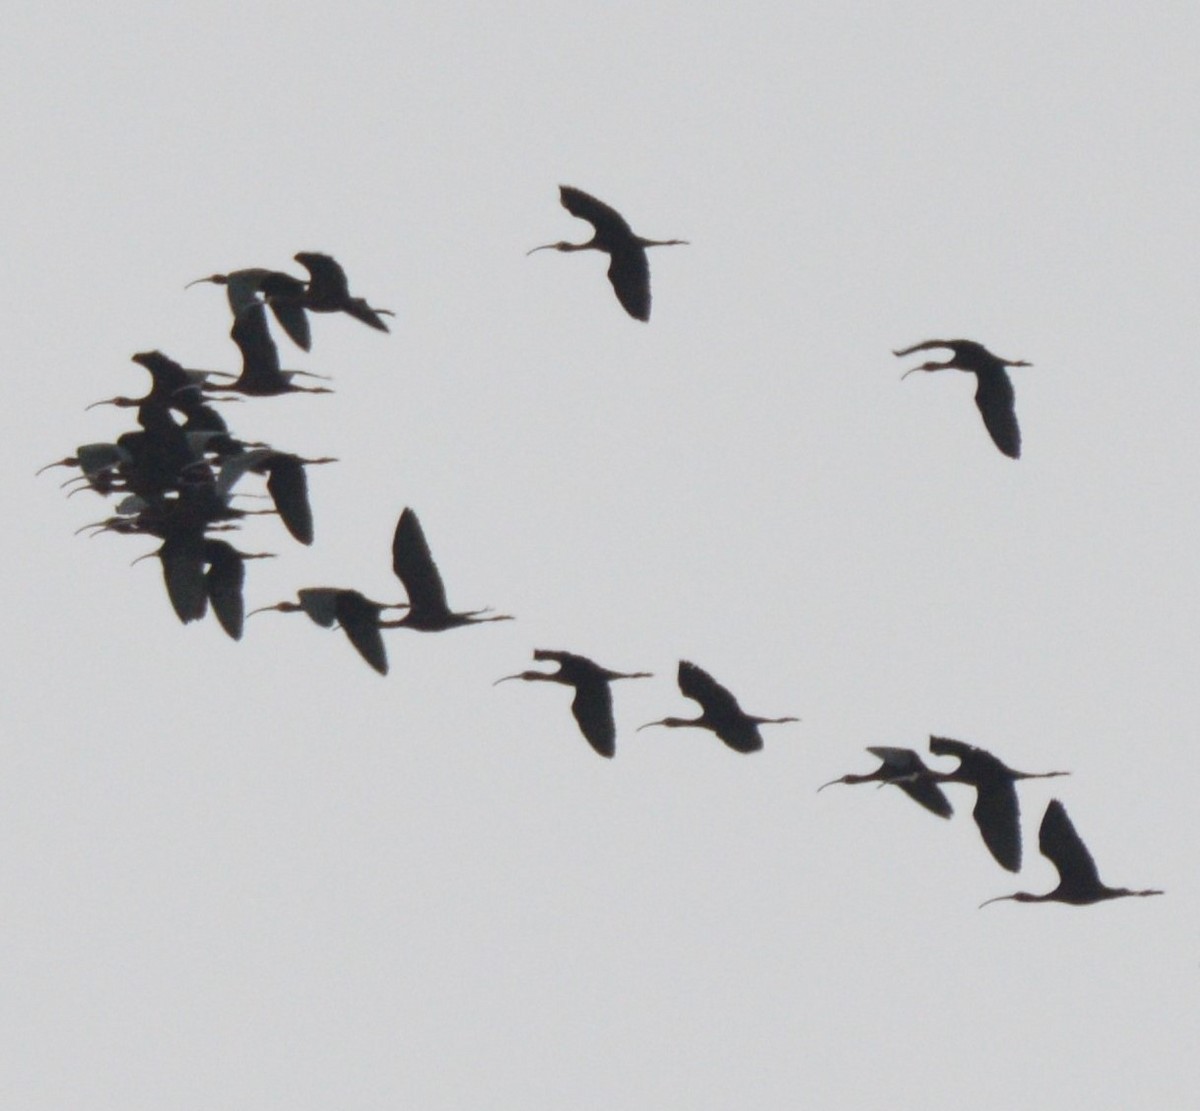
(629, 272)
(608, 222)
(1060, 844)
(997, 404)
(697, 684)
(592, 707)
(260, 356)
(359, 619)
(288, 486)
(328, 279)
(223, 581)
(998, 816)
(414, 567)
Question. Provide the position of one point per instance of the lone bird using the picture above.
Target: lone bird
(1078, 881)
(413, 564)
(261, 376)
(997, 812)
(592, 705)
(903, 768)
(722, 714)
(993, 391)
(628, 269)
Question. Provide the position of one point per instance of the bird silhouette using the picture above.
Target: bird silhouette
(357, 615)
(413, 564)
(628, 269)
(722, 714)
(329, 291)
(261, 376)
(592, 705)
(1078, 880)
(903, 768)
(171, 385)
(993, 390)
(286, 483)
(244, 288)
(997, 812)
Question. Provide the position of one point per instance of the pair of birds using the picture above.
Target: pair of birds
(361, 618)
(629, 273)
(592, 704)
(997, 814)
(291, 298)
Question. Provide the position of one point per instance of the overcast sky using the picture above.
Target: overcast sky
(259, 875)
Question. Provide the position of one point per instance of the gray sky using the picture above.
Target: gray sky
(258, 875)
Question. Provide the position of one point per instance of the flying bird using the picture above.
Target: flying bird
(906, 770)
(997, 812)
(329, 291)
(722, 714)
(413, 565)
(357, 615)
(628, 269)
(592, 705)
(251, 286)
(1078, 881)
(993, 390)
(261, 376)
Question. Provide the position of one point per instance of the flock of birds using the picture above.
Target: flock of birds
(176, 475)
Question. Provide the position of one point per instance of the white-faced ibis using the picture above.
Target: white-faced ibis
(906, 770)
(722, 714)
(592, 705)
(993, 391)
(1078, 880)
(358, 616)
(284, 293)
(413, 564)
(997, 812)
(329, 291)
(628, 269)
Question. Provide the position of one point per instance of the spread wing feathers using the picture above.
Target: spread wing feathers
(608, 222)
(183, 572)
(414, 567)
(997, 404)
(260, 356)
(592, 707)
(359, 619)
(1060, 844)
(223, 583)
(928, 794)
(288, 487)
(998, 817)
(629, 273)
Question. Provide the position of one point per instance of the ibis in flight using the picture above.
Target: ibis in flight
(1078, 880)
(628, 269)
(722, 714)
(592, 705)
(906, 770)
(993, 390)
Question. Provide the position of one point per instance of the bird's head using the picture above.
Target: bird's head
(216, 279)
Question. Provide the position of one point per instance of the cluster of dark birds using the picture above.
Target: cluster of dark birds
(176, 478)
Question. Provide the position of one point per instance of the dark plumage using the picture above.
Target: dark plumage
(628, 269)
(903, 768)
(1078, 880)
(993, 391)
(592, 705)
(997, 812)
(722, 714)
